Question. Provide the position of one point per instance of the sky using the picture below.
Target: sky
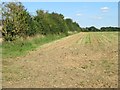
(86, 14)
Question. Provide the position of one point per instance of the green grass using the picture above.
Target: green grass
(20, 47)
(87, 40)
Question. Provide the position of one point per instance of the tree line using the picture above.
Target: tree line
(17, 22)
(102, 29)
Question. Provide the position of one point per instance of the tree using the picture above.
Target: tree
(42, 25)
(16, 20)
(73, 26)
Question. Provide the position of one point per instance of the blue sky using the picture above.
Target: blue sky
(85, 13)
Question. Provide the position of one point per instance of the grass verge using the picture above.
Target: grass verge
(21, 47)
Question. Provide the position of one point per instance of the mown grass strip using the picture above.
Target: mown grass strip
(102, 42)
(83, 40)
(88, 39)
(80, 40)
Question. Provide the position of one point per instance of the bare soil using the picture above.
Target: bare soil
(83, 60)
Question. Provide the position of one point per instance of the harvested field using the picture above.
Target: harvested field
(83, 60)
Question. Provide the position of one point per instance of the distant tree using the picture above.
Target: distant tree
(94, 29)
(109, 29)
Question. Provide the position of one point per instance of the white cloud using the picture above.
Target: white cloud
(79, 14)
(66, 17)
(104, 9)
(97, 17)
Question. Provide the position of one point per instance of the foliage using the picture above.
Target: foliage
(17, 22)
(109, 29)
(94, 29)
(73, 26)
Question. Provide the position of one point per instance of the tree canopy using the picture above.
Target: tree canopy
(17, 22)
